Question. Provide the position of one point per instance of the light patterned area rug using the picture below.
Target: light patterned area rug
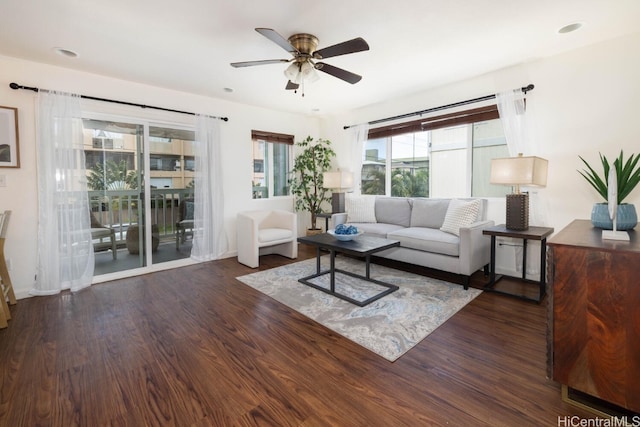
(390, 326)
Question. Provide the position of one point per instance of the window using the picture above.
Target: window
(270, 165)
(164, 163)
(93, 158)
(106, 143)
(408, 163)
(443, 156)
(189, 163)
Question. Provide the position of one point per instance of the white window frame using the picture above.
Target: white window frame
(468, 146)
(269, 168)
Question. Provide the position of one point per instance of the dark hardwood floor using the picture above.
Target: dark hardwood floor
(194, 346)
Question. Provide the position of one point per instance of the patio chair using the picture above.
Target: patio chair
(99, 231)
(184, 225)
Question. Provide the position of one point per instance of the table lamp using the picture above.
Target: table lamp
(337, 181)
(529, 171)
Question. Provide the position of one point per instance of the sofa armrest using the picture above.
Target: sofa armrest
(475, 248)
(339, 218)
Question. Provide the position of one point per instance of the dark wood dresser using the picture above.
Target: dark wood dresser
(594, 314)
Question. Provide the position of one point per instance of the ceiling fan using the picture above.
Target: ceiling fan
(305, 56)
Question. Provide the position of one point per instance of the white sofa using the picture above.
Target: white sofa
(443, 234)
(262, 232)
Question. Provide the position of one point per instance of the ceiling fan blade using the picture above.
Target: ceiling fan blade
(277, 39)
(292, 86)
(345, 75)
(263, 62)
(350, 46)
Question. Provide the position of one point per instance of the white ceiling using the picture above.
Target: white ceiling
(415, 44)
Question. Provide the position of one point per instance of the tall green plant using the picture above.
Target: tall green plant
(306, 176)
(111, 174)
(628, 174)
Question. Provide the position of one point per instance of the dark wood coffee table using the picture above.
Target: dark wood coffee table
(362, 246)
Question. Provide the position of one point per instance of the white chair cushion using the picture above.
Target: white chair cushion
(460, 214)
(266, 235)
(97, 233)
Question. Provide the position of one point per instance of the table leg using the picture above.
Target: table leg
(367, 264)
(332, 270)
(524, 258)
(543, 267)
(492, 276)
(318, 260)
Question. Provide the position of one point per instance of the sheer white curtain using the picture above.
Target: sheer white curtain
(358, 137)
(512, 109)
(209, 237)
(517, 131)
(65, 250)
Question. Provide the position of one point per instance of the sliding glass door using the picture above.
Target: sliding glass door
(171, 173)
(140, 180)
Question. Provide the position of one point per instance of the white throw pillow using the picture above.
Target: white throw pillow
(360, 209)
(460, 214)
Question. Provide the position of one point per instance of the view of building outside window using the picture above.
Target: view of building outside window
(448, 162)
(409, 165)
(270, 169)
(259, 178)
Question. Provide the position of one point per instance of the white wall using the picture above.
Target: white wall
(20, 194)
(585, 101)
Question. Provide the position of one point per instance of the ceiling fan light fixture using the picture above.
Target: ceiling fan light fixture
(309, 73)
(298, 72)
(292, 72)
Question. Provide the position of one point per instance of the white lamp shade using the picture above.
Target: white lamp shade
(527, 171)
(337, 180)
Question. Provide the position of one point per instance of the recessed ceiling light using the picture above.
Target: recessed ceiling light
(570, 28)
(66, 52)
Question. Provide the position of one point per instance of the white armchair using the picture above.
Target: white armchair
(266, 232)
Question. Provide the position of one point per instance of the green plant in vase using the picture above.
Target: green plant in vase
(306, 176)
(628, 177)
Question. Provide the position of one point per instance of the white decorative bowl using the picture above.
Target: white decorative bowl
(344, 237)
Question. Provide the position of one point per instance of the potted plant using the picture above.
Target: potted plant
(306, 176)
(628, 174)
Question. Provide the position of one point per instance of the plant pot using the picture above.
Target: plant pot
(133, 242)
(314, 231)
(626, 218)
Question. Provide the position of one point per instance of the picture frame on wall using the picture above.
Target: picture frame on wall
(9, 140)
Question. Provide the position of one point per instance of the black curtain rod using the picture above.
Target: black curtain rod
(442, 107)
(16, 86)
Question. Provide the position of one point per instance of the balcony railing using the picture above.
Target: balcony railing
(118, 209)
